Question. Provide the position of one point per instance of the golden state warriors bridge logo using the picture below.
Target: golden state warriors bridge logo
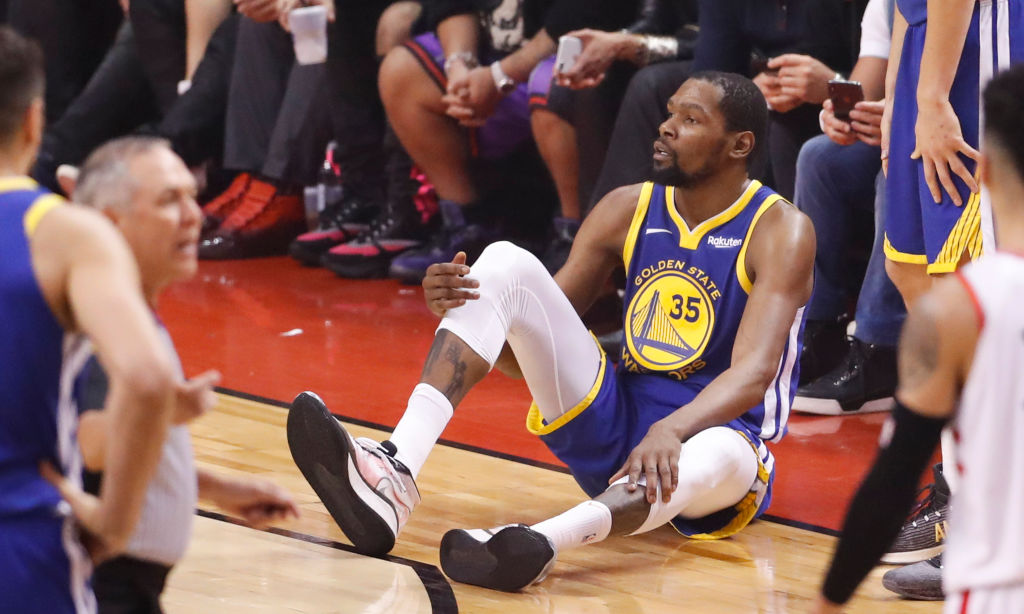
(670, 319)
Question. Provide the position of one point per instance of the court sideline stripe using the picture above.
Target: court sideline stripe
(502, 455)
(439, 591)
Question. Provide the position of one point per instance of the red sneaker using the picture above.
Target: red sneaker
(219, 208)
(263, 224)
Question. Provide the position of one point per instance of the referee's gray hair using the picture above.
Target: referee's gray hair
(104, 181)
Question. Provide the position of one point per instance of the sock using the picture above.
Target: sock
(421, 425)
(588, 522)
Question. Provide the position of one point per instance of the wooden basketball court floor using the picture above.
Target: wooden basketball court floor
(274, 329)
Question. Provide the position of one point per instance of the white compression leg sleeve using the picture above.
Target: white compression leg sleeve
(521, 303)
(717, 466)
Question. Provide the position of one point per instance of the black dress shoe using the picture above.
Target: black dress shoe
(825, 344)
(864, 381)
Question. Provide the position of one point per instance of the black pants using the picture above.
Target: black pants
(281, 115)
(126, 585)
(123, 95)
(74, 35)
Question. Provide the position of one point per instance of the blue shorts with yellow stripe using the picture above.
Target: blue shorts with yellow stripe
(917, 230)
(595, 438)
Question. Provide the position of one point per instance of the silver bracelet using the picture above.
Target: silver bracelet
(659, 48)
(468, 59)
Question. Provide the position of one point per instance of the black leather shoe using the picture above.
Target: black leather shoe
(864, 381)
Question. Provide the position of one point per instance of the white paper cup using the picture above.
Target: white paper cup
(309, 33)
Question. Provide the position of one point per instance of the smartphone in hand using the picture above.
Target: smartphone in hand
(569, 49)
(844, 95)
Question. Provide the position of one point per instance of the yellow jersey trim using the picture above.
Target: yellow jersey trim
(741, 260)
(642, 204)
(35, 213)
(962, 238)
(690, 239)
(747, 507)
(897, 256)
(535, 419)
(13, 184)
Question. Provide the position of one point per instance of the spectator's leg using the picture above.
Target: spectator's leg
(160, 37)
(880, 309)
(435, 142)
(262, 63)
(786, 135)
(556, 141)
(643, 109)
(116, 100)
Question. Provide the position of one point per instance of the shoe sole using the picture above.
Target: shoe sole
(831, 407)
(307, 256)
(926, 592)
(911, 556)
(511, 560)
(322, 450)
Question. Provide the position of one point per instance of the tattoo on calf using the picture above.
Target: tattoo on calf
(453, 355)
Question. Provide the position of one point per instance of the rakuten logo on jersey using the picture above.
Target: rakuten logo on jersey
(724, 242)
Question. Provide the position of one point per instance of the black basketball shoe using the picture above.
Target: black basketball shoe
(923, 535)
(864, 381)
(505, 558)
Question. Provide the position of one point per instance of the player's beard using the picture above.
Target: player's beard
(671, 174)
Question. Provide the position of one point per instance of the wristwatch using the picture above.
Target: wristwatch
(503, 82)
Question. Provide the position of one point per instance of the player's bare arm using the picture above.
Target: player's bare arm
(781, 285)
(90, 280)
(935, 354)
(939, 138)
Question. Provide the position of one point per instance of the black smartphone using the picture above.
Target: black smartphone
(758, 65)
(844, 95)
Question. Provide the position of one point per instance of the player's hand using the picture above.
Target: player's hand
(656, 457)
(768, 83)
(195, 397)
(886, 128)
(476, 99)
(939, 143)
(866, 119)
(256, 501)
(839, 131)
(600, 49)
(84, 507)
(802, 77)
(446, 286)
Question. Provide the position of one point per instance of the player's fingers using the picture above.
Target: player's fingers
(206, 379)
(932, 181)
(961, 171)
(665, 473)
(968, 151)
(652, 479)
(942, 172)
(460, 259)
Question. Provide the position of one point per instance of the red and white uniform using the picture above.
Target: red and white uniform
(984, 558)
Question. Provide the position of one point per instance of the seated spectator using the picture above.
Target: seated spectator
(807, 42)
(448, 109)
(573, 128)
(839, 182)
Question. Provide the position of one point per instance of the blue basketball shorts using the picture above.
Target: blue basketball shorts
(595, 438)
(917, 230)
(43, 567)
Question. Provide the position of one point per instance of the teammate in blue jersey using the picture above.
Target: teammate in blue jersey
(64, 271)
(718, 270)
(940, 60)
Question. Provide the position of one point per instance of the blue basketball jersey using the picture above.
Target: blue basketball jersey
(686, 291)
(43, 567)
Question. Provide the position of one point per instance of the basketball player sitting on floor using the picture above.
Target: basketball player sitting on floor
(960, 359)
(718, 270)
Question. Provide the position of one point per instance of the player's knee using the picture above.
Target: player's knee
(508, 258)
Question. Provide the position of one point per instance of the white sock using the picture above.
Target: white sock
(421, 425)
(588, 522)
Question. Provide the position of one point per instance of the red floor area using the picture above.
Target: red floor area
(274, 329)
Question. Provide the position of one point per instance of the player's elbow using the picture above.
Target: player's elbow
(759, 378)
